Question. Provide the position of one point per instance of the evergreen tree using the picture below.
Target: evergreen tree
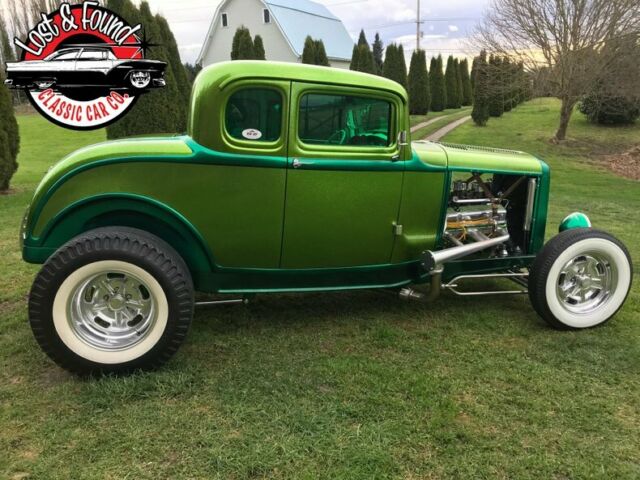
(436, 84)
(394, 66)
(418, 84)
(496, 87)
(355, 58)
(362, 59)
(456, 63)
(451, 79)
(378, 52)
(473, 74)
(258, 48)
(192, 71)
(362, 39)
(365, 60)
(320, 54)
(9, 137)
(309, 51)
(402, 66)
(162, 110)
(242, 47)
(467, 95)
(390, 62)
(480, 112)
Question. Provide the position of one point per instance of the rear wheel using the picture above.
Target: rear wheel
(112, 300)
(580, 279)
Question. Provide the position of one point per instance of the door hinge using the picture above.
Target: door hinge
(397, 229)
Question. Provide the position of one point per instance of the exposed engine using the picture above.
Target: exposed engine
(481, 208)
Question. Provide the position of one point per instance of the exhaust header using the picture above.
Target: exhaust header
(432, 261)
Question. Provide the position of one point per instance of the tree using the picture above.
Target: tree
(451, 80)
(9, 137)
(576, 42)
(362, 59)
(161, 110)
(258, 48)
(480, 112)
(309, 51)
(192, 71)
(418, 84)
(378, 52)
(495, 84)
(362, 39)
(467, 95)
(242, 47)
(320, 54)
(355, 58)
(456, 64)
(394, 67)
(437, 86)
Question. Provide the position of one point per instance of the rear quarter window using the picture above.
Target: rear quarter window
(254, 114)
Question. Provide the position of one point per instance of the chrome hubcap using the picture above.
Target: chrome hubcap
(586, 282)
(140, 79)
(112, 311)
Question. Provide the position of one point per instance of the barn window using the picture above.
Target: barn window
(225, 20)
(266, 15)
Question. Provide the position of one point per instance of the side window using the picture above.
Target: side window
(254, 114)
(266, 16)
(225, 20)
(92, 55)
(344, 120)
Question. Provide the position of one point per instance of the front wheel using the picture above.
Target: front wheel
(580, 279)
(111, 300)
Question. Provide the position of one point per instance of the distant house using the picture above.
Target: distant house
(283, 26)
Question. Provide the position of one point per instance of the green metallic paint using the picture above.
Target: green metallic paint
(128, 210)
(420, 214)
(221, 202)
(324, 222)
(574, 220)
(246, 221)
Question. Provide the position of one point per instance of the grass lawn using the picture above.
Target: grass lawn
(345, 385)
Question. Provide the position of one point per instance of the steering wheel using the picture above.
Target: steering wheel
(339, 136)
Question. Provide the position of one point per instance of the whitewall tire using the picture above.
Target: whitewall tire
(580, 279)
(112, 300)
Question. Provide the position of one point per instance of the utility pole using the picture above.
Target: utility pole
(418, 23)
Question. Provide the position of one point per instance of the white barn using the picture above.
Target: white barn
(283, 26)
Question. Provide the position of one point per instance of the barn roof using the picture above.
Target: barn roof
(299, 18)
(296, 19)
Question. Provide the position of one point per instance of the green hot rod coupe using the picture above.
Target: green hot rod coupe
(292, 178)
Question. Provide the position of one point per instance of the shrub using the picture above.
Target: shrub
(9, 137)
(613, 110)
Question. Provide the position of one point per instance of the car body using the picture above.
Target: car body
(84, 67)
(300, 178)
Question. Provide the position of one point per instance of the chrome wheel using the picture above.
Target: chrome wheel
(586, 282)
(112, 311)
(140, 79)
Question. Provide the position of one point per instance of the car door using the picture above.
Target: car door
(344, 177)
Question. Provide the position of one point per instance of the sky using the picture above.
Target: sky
(447, 23)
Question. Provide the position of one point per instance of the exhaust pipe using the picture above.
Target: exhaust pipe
(433, 260)
(432, 263)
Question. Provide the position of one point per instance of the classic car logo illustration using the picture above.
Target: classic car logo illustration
(83, 66)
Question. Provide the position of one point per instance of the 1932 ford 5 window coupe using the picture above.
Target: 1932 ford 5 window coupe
(292, 178)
